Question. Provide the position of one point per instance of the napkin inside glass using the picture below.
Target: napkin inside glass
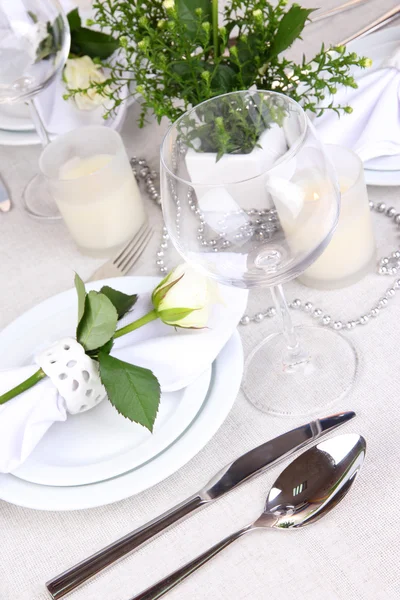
(176, 356)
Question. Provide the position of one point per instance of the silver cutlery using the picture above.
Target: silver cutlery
(380, 22)
(127, 257)
(5, 202)
(252, 463)
(324, 14)
(305, 491)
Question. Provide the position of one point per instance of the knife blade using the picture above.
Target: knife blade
(5, 202)
(248, 465)
(378, 23)
(270, 454)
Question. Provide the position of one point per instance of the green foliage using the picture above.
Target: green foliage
(233, 125)
(122, 302)
(132, 390)
(179, 55)
(81, 292)
(289, 29)
(74, 20)
(98, 322)
(88, 42)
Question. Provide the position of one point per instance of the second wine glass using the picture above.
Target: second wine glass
(250, 197)
(34, 45)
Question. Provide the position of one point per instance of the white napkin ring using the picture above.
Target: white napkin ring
(74, 374)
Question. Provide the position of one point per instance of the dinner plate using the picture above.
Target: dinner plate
(382, 178)
(226, 377)
(15, 117)
(100, 443)
(16, 127)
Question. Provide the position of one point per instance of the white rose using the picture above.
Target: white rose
(79, 73)
(184, 298)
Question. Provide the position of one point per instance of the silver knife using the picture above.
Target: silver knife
(324, 14)
(252, 463)
(5, 202)
(378, 23)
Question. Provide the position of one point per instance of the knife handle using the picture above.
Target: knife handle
(69, 580)
(165, 585)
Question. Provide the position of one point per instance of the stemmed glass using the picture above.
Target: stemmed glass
(251, 198)
(34, 45)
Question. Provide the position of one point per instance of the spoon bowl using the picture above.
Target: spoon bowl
(314, 483)
(309, 487)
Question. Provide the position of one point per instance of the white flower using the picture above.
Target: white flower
(184, 298)
(168, 4)
(79, 73)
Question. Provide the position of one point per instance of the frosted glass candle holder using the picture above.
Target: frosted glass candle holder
(352, 249)
(90, 178)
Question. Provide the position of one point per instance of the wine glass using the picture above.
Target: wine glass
(34, 45)
(251, 199)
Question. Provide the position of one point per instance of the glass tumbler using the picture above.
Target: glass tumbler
(351, 253)
(91, 180)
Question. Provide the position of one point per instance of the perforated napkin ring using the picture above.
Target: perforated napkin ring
(74, 374)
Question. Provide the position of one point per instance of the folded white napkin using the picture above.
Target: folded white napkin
(176, 356)
(373, 128)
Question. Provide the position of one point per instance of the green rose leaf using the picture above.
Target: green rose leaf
(81, 291)
(74, 20)
(107, 347)
(98, 323)
(96, 44)
(122, 302)
(133, 391)
(290, 28)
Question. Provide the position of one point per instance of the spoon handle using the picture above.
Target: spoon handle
(165, 585)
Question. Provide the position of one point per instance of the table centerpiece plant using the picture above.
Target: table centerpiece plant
(182, 52)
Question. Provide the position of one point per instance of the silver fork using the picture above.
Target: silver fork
(127, 257)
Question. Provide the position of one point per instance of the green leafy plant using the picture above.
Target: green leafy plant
(89, 42)
(84, 41)
(182, 52)
(233, 125)
(132, 390)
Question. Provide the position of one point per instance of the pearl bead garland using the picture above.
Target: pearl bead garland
(263, 225)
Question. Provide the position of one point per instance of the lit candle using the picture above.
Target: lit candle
(351, 251)
(96, 193)
(306, 207)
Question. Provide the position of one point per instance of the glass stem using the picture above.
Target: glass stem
(38, 123)
(292, 342)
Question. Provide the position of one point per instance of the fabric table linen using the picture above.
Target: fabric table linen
(353, 554)
(372, 130)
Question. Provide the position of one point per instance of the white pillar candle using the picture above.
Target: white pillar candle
(93, 185)
(351, 251)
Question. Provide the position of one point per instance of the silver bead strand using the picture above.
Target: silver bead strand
(263, 224)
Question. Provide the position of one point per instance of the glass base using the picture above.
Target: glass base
(38, 201)
(323, 373)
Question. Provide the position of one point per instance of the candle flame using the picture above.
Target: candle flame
(315, 196)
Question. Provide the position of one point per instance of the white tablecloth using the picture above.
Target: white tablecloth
(352, 555)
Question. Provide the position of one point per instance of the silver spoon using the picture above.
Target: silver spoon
(305, 491)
